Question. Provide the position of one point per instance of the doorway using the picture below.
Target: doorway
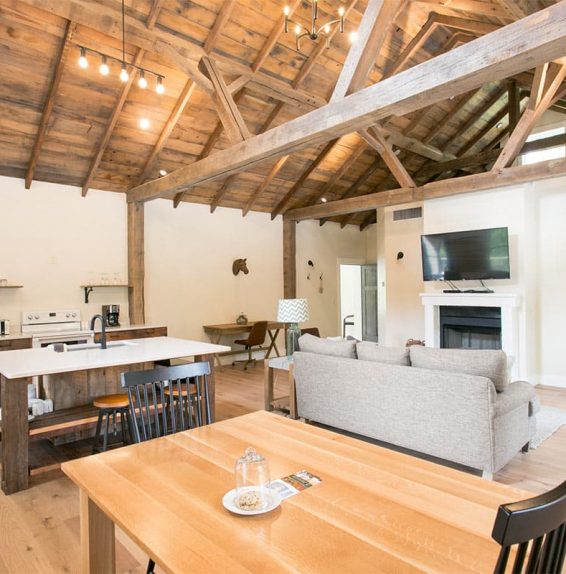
(358, 301)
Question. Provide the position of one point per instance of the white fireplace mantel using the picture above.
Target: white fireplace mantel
(509, 303)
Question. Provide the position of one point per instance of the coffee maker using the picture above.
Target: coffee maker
(111, 314)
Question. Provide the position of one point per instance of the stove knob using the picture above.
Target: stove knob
(74, 315)
(36, 316)
(68, 315)
(30, 317)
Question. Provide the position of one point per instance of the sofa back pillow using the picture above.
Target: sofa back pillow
(391, 355)
(484, 363)
(310, 344)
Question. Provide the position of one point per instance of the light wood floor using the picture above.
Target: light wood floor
(39, 528)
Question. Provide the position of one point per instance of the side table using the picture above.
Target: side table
(282, 364)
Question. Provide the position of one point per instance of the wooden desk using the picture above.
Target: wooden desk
(216, 332)
(376, 509)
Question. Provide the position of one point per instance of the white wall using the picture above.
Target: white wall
(327, 247)
(400, 312)
(52, 240)
(189, 256)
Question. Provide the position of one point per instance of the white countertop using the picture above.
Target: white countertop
(32, 362)
(13, 336)
(129, 328)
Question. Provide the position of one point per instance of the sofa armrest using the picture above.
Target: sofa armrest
(517, 394)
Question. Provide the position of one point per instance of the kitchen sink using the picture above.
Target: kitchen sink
(90, 346)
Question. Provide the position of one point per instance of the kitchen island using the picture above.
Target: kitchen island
(17, 368)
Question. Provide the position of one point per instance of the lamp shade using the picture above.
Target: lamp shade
(293, 311)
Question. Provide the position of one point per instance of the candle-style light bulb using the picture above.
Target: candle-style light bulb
(297, 29)
(353, 37)
(287, 10)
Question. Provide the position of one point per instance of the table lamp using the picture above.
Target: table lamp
(292, 312)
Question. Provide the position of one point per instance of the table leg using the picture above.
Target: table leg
(98, 543)
(14, 434)
(211, 382)
(268, 386)
(292, 392)
(273, 343)
(215, 340)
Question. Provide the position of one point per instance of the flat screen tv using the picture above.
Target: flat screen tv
(476, 255)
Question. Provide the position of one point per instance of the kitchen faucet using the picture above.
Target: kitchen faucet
(102, 332)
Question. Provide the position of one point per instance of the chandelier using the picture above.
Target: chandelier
(104, 68)
(314, 32)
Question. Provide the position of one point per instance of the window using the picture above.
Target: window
(544, 154)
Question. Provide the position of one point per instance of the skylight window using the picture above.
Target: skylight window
(544, 154)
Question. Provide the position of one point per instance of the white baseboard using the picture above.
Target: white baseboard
(552, 381)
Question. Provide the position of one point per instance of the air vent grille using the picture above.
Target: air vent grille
(410, 213)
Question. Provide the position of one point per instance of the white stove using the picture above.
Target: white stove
(48, 327)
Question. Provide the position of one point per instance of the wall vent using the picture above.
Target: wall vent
(411, 213)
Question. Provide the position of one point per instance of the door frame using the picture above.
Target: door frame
(344, 261)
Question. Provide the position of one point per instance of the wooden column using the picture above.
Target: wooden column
(289, 259)
(14, 434)
(514, 104)
(136, 263)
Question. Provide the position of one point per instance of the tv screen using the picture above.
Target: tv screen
(479, 254)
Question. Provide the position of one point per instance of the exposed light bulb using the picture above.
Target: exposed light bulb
(341, 11)
(144, 123)
(326, 29)
(160, 88)
(142, 82)
(297, 29)
(286, 10)
(83, 62)
(124, 76)
(353, 37)
(104, 69)
(162, 172)
(323, 199)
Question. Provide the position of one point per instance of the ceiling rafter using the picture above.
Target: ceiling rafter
(551, 78)
(60, 60)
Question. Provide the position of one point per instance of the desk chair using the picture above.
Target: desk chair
(310, 331)
(256, 338)
(539, 522)
(167, 400)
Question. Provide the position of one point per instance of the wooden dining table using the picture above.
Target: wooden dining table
(376, 510)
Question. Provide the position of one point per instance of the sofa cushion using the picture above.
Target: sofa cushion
(484, 363)
(392, 355)
(310, 344)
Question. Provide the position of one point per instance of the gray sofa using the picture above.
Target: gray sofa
(455, 405)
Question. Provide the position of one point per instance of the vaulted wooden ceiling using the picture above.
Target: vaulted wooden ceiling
(64, 124)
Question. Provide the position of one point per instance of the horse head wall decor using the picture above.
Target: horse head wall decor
(240, 265)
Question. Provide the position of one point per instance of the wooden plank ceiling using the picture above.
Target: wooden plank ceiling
(63, 124)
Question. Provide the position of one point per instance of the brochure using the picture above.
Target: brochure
(294, 483)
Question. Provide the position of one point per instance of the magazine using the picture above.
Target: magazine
(294, 483)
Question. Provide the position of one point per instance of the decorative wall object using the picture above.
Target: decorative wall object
(240, 265)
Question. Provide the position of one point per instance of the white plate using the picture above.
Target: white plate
(229, 502)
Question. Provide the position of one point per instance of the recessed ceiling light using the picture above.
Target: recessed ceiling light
(144, 123)
(162, 172)
(323, 199)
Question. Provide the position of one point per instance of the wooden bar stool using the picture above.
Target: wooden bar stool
(110, 406)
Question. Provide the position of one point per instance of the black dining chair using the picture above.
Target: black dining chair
(538, 527)
(256, 338)
(166, 400)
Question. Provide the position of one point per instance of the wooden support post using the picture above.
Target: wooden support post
(514, 104)
(289, 259)
(14, 402)
(136, 263)
(98, 544)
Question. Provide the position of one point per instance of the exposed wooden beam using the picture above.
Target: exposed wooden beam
(471, 6)
(375, 25)
(289, 259)
(105, 139)
(169, 126)
(518, 46)
(539, 102)
(413, 145)
(136, 265)
(370, 218)
(512, 8)
(154, 13)
(303, 177)
(60, 60)
(277, 166)
(221, 193)
(514, 100)
(273, 37)
(231, 118)
(385, 150)
(340, 172)
(222, 17)
(467, 184)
